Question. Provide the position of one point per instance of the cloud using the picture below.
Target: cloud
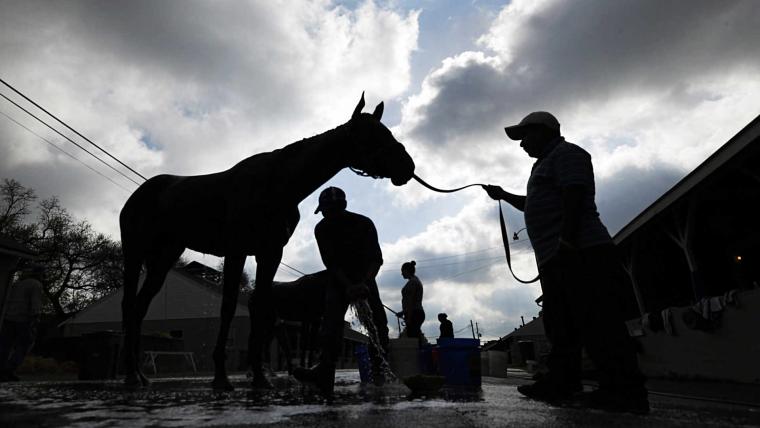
(163, 85)
(589, 63)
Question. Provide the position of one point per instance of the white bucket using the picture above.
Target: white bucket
(403, 357)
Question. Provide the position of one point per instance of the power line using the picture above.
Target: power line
(69, 139)
(451, 256)
(385, 271)
(70, 128)
(483, 250)
(471, 270)
(65, 152)
(79, 146)
(291, 267)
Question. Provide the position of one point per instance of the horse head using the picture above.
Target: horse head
(375, 151)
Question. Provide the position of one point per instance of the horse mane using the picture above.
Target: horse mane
(300, 145)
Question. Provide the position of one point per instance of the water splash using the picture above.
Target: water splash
(363, 312)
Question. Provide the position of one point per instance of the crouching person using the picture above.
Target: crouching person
(351, 253)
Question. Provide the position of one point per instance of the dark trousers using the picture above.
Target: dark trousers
(414, 320)
(16, 339)
(336, 305)
(582, 308)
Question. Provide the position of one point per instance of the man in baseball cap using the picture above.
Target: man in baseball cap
(535, 119)
(578, 265)
(350, 251)
(331, 197)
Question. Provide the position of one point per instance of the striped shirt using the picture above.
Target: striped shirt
(563, 164)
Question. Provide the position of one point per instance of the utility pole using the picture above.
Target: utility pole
(477, 329)
(473, 330)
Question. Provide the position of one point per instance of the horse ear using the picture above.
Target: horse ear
(378, 113)
(359, 107)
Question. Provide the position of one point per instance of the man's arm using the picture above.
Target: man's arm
(572, 198)
(326, 251)
(575, 176)
(497, 193)
(374, 254)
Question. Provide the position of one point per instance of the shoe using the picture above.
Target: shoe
(322, 376)
(549, 392)
(630, 401)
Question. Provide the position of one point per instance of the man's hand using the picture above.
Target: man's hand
(357, 291)
(400, 314)
(495, 192)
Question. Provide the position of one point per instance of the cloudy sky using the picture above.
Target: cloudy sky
(649, 88)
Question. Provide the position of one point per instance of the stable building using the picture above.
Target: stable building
(185, 316)
(693, 260)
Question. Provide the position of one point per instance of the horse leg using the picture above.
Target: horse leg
(132, 266)
(233, 269)
(157, 268)
(262, 313)
(283, 339)
(257, 343)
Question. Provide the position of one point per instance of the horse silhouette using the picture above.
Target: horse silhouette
(301, 300)
(249, 209)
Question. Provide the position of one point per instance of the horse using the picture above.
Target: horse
(250, 209)
(301, 300)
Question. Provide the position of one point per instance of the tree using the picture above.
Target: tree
(80, 264)
(16, 200)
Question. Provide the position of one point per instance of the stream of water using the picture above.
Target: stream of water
(363, 313)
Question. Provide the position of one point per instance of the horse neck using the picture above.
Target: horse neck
(309, 163)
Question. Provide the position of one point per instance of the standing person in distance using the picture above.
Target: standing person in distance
(411, 301)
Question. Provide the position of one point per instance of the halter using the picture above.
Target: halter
(369, 161)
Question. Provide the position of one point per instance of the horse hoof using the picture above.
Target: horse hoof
(222, 385)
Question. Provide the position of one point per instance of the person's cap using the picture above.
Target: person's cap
(537, 118)
(329, 197)
(443, 315)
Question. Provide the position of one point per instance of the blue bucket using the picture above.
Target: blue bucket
(426, 361)
(459, 361)
(363, 361)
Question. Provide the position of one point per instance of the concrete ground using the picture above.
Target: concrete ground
(189, 402)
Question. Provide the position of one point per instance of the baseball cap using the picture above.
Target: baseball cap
(330, 196)
(537, 118)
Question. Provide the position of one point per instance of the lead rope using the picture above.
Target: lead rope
(504, 234)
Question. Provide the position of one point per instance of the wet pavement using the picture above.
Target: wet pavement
(189, 402)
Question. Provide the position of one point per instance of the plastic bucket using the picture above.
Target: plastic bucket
(363, 361)
(403, 357)
(426, 362)
(459, 361)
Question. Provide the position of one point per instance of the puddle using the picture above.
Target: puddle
(191, 402)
